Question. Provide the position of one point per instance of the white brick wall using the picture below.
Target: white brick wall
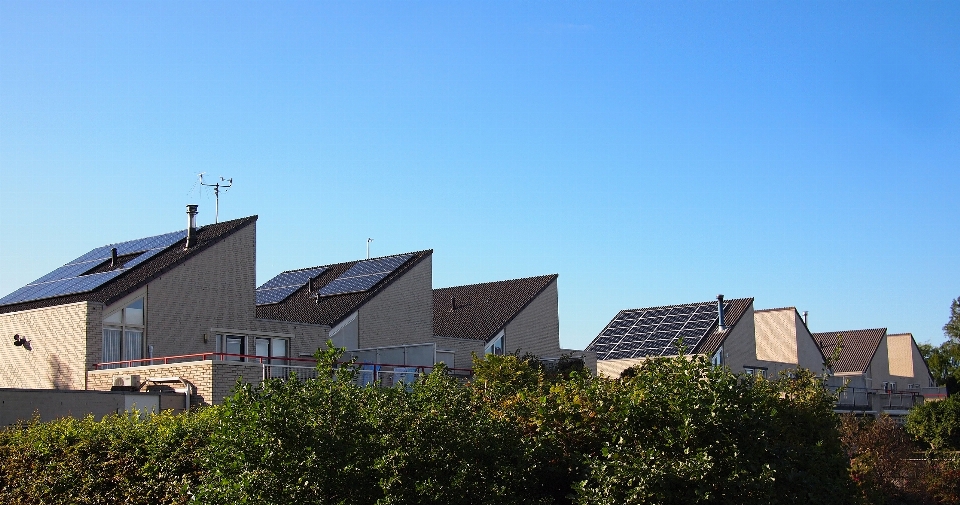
(58, 353)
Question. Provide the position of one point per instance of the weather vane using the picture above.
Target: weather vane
(223, 183)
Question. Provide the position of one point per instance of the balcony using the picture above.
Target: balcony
(213, 375)
(876, 401)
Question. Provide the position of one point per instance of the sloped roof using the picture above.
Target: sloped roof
(303, 306)
(657, 331)
(130, 279)
(482, 310)
(857, 350)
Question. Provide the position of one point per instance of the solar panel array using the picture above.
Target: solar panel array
(655, 331)
(70, 279)
(280, 287)
(364, 275)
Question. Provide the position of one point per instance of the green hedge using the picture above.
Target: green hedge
(677, 431)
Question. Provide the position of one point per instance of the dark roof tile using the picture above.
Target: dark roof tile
(483, 309)
(856, 351)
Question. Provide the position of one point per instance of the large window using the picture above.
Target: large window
(755, 371)
(273, 348)
(495, 346)
(123, 333)
(232, 344)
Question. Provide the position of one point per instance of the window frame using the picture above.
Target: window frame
(125, 325)
(490, 347)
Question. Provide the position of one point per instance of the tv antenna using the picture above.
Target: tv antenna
(368, 247)
(223, 183)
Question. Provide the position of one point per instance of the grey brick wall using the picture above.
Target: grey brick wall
(463, 349)
(58, 352)
(214, 288)
(402, 313)
(536, 329)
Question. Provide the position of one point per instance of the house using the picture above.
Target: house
(783, 342)
(881, 372)
(503, 317)
(722, 330)
(183, 309)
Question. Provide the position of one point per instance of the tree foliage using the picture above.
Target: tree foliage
(944, 360)
(678, 431)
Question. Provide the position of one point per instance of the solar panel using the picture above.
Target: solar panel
(70, 279)
(363, 275)
(285, 284)
(656, 331)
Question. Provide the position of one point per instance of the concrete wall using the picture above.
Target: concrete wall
(214, 288)
(212, 380)
(58, 352)
(536, 329)
(402, 313)
(23, 404)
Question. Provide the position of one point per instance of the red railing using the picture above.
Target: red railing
(247, 358)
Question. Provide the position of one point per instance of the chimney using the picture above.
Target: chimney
(191, 226)
(721, 322)
(113, 258)
(453, 303)
(805, 319)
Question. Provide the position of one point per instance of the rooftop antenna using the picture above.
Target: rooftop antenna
(368, 247)
(223, 183)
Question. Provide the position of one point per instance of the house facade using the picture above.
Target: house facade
(878, 372)
(185, 306)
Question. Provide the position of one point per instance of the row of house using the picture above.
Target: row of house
(874, 371)
(182, 311)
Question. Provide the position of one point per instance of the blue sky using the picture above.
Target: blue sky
(651, 153)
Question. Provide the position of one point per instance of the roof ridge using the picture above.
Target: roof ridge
(547, 276)
(328, 265)
(775, 309)
(731, 300)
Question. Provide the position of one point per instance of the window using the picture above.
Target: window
(232, 344)
(495, 346)
(717, 358)
(273, 348)
(755, 371)
(123, 334)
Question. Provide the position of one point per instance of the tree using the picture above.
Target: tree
(944, 360)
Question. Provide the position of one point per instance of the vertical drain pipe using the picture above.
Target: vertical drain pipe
(720, 320)
(191, 226)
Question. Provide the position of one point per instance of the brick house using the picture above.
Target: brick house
(185, 305)
(722, 330)
(881, 372)
(503, 317)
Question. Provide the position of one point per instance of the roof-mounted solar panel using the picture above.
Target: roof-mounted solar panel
(72, 278)
(655, 331)
(285, 284)
(364, 275)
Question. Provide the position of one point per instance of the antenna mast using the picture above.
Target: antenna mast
(223, 183)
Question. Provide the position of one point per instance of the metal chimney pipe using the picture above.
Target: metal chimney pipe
(113, 258)
(453, 303)
(720, 320)
(191, 226)
(805, 321)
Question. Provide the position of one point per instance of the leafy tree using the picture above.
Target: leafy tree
(944, 360)
(937, 423)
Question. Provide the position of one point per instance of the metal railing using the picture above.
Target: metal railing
(853, 398)
(382, 374)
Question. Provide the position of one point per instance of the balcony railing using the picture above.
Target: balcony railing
(384, 374)
(853, 398)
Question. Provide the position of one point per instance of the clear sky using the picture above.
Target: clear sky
(802, 153)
